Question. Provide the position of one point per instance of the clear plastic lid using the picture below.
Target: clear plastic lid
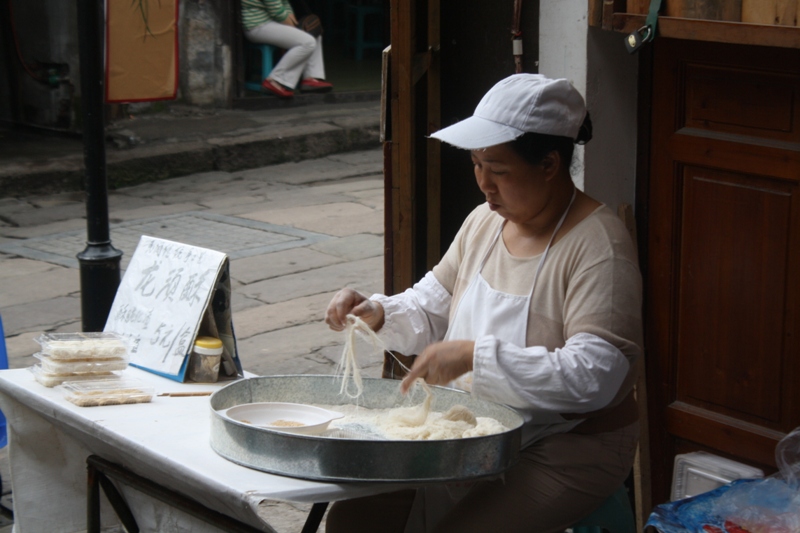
(49, 379)
(80, 366)
(107, 392)
(95, 345)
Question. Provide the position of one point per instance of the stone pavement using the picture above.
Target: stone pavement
(296, 232)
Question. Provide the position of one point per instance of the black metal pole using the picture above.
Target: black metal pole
(99, 261)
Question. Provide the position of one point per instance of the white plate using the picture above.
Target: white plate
(278, 416)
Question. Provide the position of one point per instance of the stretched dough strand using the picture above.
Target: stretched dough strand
(348, 366)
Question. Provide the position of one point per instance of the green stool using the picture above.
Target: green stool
(614, 516)
(262, 65)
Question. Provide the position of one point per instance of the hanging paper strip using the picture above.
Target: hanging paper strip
(141, 50)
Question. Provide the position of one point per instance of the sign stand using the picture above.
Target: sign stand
(170, 294)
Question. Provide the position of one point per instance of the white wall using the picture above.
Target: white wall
(597, 64)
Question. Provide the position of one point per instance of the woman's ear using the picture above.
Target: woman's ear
(551, 164)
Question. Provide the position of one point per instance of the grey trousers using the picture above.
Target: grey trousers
(558, 481)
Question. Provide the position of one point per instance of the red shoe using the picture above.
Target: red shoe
(277, 89)
(313, 85)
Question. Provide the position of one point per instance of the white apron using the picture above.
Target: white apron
(481, 311)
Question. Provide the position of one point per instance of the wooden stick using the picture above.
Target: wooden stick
(179, 394)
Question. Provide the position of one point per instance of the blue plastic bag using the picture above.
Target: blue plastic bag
(769, 505)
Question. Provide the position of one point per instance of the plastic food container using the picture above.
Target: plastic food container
(205, 360)
(49, 379)
(71, 346)
(107, 392)
(80, 366)
(699, 472)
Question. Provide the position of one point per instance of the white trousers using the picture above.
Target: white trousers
(303, 57)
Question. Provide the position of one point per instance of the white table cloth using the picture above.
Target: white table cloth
(166, 441)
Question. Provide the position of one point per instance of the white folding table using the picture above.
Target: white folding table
(165, 442)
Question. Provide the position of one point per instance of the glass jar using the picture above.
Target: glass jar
(205, 360)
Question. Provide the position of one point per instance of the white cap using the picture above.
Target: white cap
(522, 103)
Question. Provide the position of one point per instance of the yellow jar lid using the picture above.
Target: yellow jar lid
(209, 343)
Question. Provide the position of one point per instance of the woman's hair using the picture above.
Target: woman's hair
(533, 147)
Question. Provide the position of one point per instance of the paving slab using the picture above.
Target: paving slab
(49, 214)
(251, 269)
(352, 247)
(361, 157)
(320, 352)
(16, 266)
(288, 199)
(21, 348)
(365, 275)
(340, 219)
(41, 314)
(266, 318)
(39, 286)
(152, 211)
(325, 169)
(230, 205)
(28, 232)
(275, 352)
(370, 197)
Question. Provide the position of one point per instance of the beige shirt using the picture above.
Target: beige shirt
(584, 332)
(590, 282)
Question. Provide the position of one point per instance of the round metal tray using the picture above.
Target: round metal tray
(354, 460)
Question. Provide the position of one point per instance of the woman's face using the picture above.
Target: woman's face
(515, 189)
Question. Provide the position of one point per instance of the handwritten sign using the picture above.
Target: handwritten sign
(160, 303)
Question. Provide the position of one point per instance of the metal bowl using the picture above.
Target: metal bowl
(331, 459)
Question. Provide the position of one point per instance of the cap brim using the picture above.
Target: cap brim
(476, 132)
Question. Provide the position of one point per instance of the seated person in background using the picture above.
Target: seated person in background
(536, 305)
(273, 22)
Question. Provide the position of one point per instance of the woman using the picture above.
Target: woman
(273, 22)
(536, 305)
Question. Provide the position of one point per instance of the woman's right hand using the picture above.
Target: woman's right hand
(290, 20)
(349, 302)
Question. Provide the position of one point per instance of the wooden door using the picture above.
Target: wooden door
(723, 253)
(411, 161)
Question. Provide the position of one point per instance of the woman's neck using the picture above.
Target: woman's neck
(526, 239)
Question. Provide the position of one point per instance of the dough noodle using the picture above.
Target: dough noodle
(348, 365)
(402, 423)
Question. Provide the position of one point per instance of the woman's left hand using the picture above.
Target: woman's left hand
(440, 363)
(290, 20)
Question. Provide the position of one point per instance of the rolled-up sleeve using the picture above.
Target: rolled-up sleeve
(416, 317)
(582, 376)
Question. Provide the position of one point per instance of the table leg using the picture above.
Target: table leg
(99, 469)
(315, 517)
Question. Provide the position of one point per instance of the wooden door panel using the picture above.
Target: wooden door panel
(747, 155)
(732, 280)
(694, 429)
(742, 102)
(723, 201)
